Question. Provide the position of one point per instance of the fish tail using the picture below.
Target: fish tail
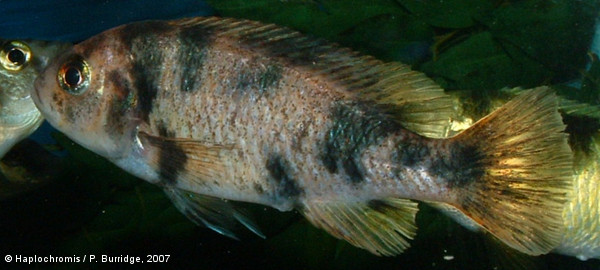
(519, 172)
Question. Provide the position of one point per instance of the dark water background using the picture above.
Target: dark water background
(92, 208)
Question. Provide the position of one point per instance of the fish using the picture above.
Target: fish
(215, 110)
(21, 62)
(581, 214)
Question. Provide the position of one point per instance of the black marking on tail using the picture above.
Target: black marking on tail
(354, 128)
(287, 186)
(194, 42)
(462, 166)
(456, 165)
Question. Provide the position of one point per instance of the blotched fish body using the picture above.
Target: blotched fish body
(235, 109)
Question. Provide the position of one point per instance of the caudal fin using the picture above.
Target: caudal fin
(526, 172)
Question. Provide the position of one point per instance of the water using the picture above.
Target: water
(93, 208)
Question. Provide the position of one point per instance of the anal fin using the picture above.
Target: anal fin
(216, 214)
(382, 227)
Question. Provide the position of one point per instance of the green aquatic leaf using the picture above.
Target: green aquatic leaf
(481, 63)
(448, 13)
(321, 18)
(400, 37)
(555, 34)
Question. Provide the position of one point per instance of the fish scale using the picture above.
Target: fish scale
(212, 108)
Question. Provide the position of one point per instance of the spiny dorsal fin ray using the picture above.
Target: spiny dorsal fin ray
(415, 101)
(527, 172)
(214, 213)
(382, 227)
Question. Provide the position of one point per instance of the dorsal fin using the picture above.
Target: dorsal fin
(414, 100)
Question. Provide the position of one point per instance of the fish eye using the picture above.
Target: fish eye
(74, 75)
(15, 55)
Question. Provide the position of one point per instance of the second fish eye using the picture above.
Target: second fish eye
(74, 75)
(15, 55)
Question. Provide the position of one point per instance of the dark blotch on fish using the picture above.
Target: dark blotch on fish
(287, 187)
(194, 41)
(122, 101)
(146, 83)
(259, 188)
(354, 170)
(171, 159)
(259, 79)
(411, 153)
(143, 39)
(461, 167)
(354, 128)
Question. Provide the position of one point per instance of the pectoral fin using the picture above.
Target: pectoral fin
(181, 159)
(186, 162)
